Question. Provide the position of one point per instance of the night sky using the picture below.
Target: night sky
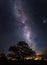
(23, 20)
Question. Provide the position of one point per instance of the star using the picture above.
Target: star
(44, 21)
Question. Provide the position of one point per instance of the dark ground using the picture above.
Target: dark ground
(7, 62)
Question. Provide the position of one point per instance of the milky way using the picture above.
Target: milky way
(23, 19)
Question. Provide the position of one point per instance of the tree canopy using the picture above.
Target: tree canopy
(21, 50)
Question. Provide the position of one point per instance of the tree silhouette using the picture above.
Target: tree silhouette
(21, 51)
(13, 49)
(13, 52)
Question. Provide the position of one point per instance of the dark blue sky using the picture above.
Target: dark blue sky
(11, 31)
